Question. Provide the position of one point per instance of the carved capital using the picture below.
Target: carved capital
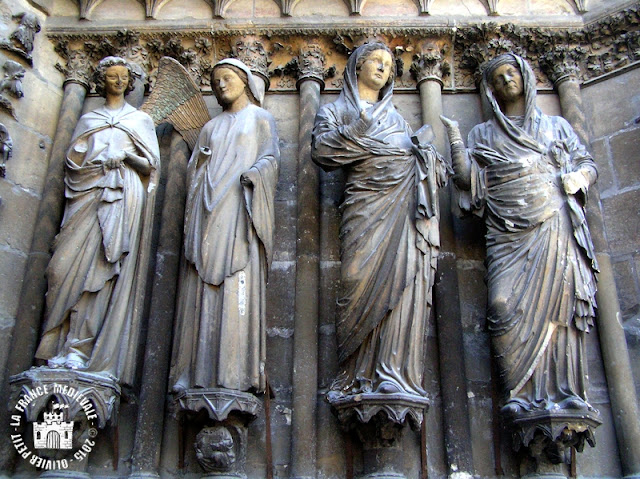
(252, 53)
(561, 64)
(429, 64)
(311, 65)
(78, 67)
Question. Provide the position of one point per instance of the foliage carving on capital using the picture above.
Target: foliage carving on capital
(77, 68)
(251, 52)
(562, 63)
(429, 64)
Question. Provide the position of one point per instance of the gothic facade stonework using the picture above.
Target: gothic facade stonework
(585, 56)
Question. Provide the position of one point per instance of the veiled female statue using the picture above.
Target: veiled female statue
(389, 230)
(527, 173)
(96, 274)
(228, 241)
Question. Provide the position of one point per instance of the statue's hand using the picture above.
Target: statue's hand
(366, 117)
(574, 182)
(115, 161)
(249, 177)
(453, 131)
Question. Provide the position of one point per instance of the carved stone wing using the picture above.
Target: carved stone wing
(177, 99)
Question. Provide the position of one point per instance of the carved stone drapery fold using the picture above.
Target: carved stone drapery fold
(429, 64)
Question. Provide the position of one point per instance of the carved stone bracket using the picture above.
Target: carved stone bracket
(221, 447)
(429, 64)
(362, 408)
(549, 435)
(219, 403)
(6, 148)
(21, 40)
(379, 419)
(101, 391)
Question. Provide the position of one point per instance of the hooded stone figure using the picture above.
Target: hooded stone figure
(527, 174)
(97, 272)
(389, 230)
(228, 241)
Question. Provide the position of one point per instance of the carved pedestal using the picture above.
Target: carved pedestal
(221, 445)
(548, 437)
(379, 420)
(64, 409)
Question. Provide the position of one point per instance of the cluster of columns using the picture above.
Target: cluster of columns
(306, 397)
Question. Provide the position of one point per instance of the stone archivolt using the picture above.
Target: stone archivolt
(601, 48)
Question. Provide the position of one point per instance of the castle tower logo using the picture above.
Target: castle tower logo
(54, 432)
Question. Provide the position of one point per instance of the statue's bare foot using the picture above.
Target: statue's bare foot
(75, 361)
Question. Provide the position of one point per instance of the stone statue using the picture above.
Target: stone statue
(389, 230)
(22, 39)
(528, 174)
(228, 241)
(97, 271)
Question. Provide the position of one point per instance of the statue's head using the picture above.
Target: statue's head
(374, 65)
(231, 79)
(504, 78)
(113, 65)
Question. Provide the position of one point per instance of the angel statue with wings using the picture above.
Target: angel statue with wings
(219, 337)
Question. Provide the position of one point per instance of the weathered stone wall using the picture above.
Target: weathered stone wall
(32, 130)
(613, 107)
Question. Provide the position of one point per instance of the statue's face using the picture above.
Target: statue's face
(507, 84)
(375, 70)
(116, 80)
(228, 85)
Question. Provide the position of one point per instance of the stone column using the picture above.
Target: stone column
(31, 305)
(305, 338)
(149, 430)
(429, 68)
(564, 72)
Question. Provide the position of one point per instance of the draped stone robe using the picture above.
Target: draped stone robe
(540, 259)
(389, 242)
(97, 272)
(228, 243)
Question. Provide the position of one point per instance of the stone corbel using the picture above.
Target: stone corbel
(21, 40)
(424, 6)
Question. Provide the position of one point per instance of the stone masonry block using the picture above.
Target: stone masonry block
(622, 221)
(627, 286)
(29, 162)
(612, 105)
(625, 149)
(600, 152)
(18, 212)
(12, 267)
